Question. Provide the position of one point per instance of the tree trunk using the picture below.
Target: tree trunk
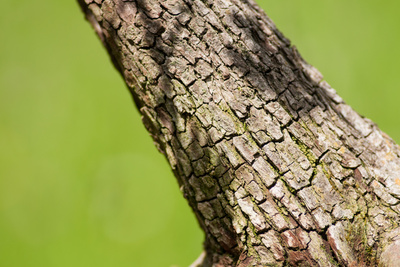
(277, 168)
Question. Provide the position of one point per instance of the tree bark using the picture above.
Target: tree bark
(277, 168)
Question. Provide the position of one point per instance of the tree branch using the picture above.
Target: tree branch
(277, 168)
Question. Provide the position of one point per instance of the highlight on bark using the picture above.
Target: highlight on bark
(278, 170)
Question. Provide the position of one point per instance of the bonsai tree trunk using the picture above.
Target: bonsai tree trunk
(277, 168)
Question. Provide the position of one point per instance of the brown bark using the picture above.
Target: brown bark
(277, 168)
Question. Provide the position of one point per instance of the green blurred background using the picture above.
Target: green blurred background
(81, 183)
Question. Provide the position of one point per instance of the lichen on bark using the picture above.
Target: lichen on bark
(277, 168)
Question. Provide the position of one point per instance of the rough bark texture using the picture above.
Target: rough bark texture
(277, 168)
